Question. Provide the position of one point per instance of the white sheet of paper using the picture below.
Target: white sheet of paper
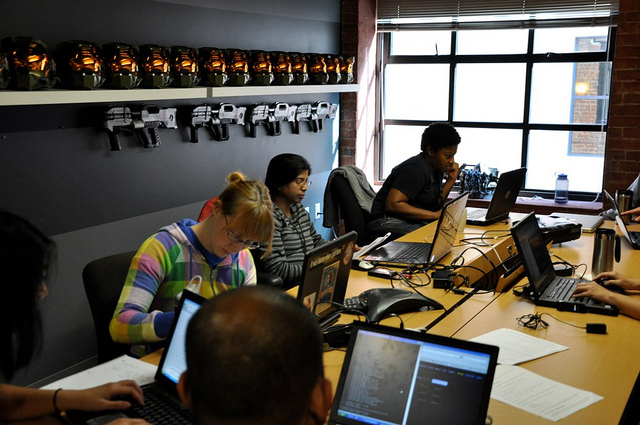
(124, 367)
(538, 395)
(517, 347)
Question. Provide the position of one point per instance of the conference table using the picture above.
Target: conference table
(605, 364)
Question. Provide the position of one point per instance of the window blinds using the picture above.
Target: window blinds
(394, 15)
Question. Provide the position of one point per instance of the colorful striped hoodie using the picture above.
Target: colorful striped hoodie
(163, 266)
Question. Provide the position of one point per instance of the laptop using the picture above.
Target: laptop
(398, 376)
(545, 287)
(589, 222)
(325, 273)
(162, 403)
(406, 254)
(632, 237)
(502, 202)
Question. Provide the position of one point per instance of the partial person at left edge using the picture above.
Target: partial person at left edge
(26, 255)
(207, 257)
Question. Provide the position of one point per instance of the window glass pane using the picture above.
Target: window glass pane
(498, 42)
(427, 43)
(565, 93)
(570, 40)
(491, 148)
(489, 92)
(552, 152)
(419, 92)
(400, 143)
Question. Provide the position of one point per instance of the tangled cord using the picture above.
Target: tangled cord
(532, 321)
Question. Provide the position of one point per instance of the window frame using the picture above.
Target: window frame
(451, 58)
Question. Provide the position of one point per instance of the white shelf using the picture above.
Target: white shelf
(59, 96)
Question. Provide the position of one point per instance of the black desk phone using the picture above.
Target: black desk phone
(378, 303)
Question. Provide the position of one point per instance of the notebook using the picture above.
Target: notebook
(632, 237)
(547, 289)
(325, 273)
(162, 404)
(589, 222)
(402, 254)
(396, 376)
(502, 202)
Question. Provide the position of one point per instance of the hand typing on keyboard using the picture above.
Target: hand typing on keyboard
(627, 303)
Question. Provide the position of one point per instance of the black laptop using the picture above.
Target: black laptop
(632, 237)
(547, 289)
(406, 254)
(502, 202)
(396, 376)
(162, 404)
(325, 274)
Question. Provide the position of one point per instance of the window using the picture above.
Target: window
(534, 97)
(524, 87)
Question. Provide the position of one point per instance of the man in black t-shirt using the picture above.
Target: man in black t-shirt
(413, 194)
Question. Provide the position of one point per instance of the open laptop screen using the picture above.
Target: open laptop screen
(394, 376)
(530, 243)
(174, 361)
(325, 274)
(448, 225)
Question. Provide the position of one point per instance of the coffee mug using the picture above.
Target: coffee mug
(606, 247)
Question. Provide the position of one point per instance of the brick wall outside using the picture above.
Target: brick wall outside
(622, 157)
(622, 151)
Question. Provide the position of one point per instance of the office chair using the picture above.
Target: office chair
(103, 281)
(350, 213)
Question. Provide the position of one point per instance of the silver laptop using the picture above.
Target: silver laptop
(406, 254)
(398, 376)
(589, 222)
(502, 201)
(632, 237)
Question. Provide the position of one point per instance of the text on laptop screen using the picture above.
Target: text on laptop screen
(175, 363)
(395, 380)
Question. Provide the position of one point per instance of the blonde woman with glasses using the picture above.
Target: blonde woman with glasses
(207, 257)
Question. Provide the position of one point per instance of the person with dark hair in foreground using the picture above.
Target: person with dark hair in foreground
(25, 257)
(413, 194)
(254, 356)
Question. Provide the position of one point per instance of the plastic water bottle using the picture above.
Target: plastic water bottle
(562, 189)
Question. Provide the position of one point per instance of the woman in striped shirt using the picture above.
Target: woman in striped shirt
(294, 235)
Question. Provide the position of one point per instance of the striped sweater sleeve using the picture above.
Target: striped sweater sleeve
(292, 238)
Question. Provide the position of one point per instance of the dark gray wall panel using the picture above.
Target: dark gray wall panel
(146, 21)
(56, 168)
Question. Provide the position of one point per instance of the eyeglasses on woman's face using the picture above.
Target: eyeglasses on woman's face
(301, 182)
(236, 239)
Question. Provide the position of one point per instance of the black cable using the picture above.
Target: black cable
(496, 276)
(532, 321)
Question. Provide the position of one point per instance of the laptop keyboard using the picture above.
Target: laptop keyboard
(411, 252)
(564, 289)
(160, 408)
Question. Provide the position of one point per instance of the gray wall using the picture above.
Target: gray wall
(57, 171)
